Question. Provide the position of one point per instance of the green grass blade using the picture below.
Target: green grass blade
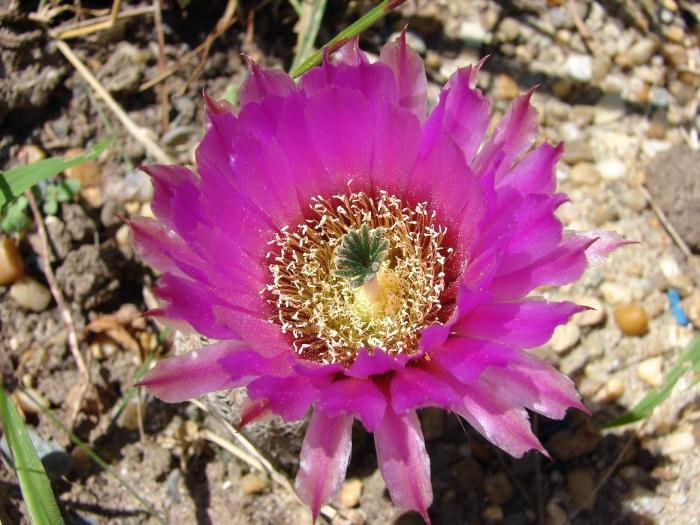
(354, 29)
(310, 23)
(15, 181)
(689, 359)
(36, 489)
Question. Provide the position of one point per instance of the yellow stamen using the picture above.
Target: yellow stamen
(327, 318)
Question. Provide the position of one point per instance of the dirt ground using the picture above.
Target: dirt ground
(618, 82)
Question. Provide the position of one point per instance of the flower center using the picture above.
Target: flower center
(362, 272)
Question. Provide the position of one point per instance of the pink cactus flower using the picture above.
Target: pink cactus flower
(357, 258)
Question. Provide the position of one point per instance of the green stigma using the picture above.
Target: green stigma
(360, 255)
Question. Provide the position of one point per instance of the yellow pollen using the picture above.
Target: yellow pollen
(327, 318)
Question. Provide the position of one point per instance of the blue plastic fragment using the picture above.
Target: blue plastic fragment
(674, 300)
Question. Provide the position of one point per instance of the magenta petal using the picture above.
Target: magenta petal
(409, 71)
(442, 177)
(359, 397)
(513, 135)
(289, 396)
(500, 420)
(458, 98)
(220, 366)
(324, 458)
(562, 265)
(396, 137)
(524, 324)
(404, 462)
(414, 387)
(350, 53)
(377, 363)
(605, 243)
(264, 83)
(340, 122)
(535, 173)
(466, 359)
(536, 385)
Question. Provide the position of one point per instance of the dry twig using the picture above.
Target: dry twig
(226, 21)
(163, 88)
(139, 133)
(75, 397)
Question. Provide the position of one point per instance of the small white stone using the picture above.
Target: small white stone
(350, 492)
(649, 371)
(669, 267)
(31, 294)
(472, 33)
(611, 169)
(609, 109)
(611, 391)
(678, 443)
(579, 67)
(564, 338)
(652, 147)
(615, 293)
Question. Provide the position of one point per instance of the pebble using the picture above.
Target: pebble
(592, 317)
(556, 515)
(30, 154)
(584, 173)
(122, 236)
(609, 109)
(614, 293)
(642, 51)
(302, 516)
(674, 33)
(468, 474)
(498, 488)
(492, 513)
(93, 197)
(11, 266)
(611, 391)
(253, 484)
(631, 318)
(350, 492)
(633, 199)
(472, 33)
(579, 67)
(655, 304)
(565, 337)
(88, 173)
(578, 151)
(137, 186)
(669, 267)
(676, 55)
(691, 306)
(30, 401)
(30, 294)
(682, 283)
(81, 462)
(634, 474)
(508, 30)
(506, 87)
(611, 169)
(678, 443)
(649, 371)
(581, 487)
